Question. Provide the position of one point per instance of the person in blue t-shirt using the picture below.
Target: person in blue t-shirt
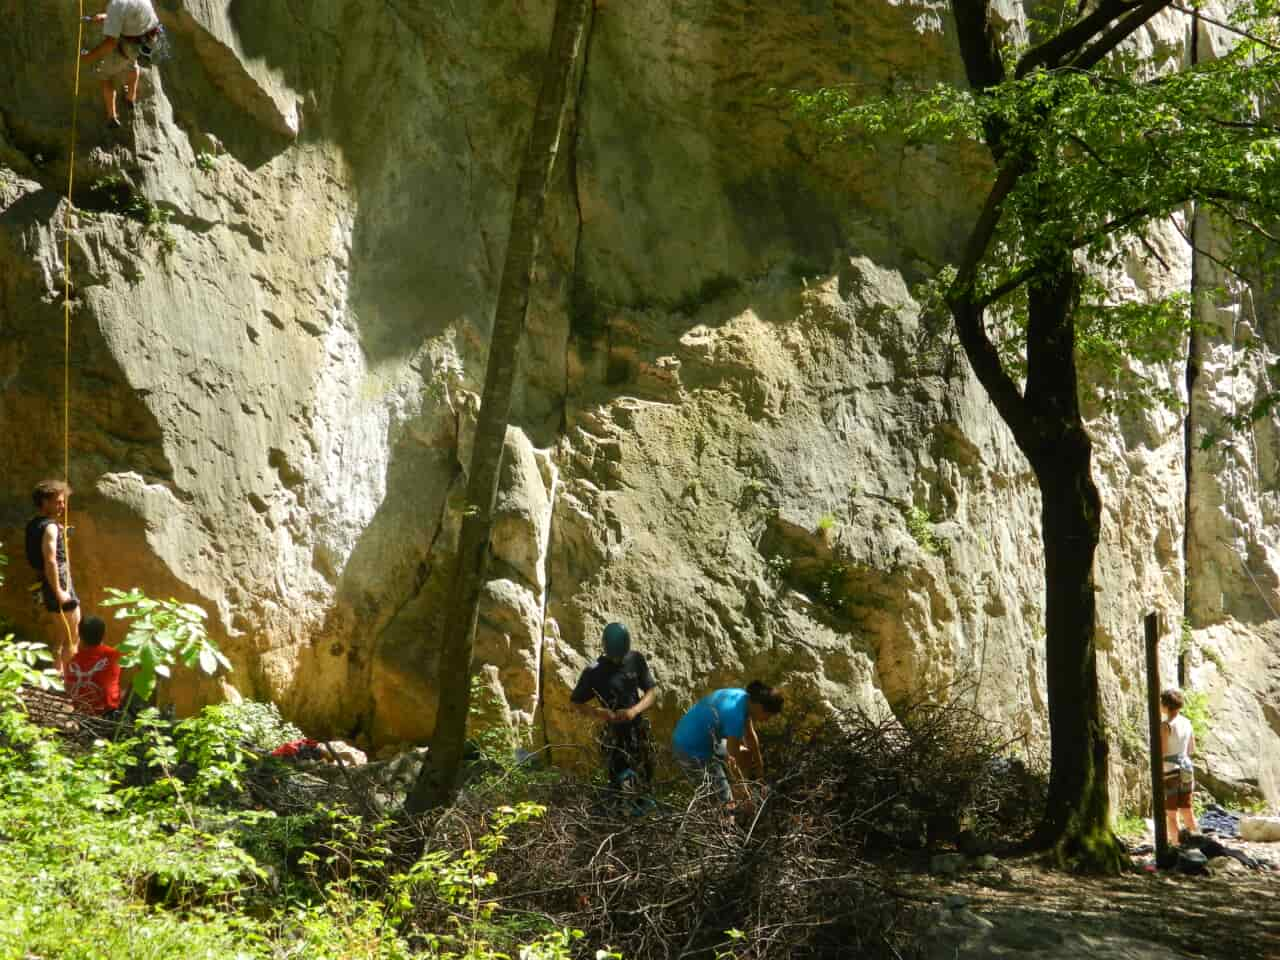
(716, 738)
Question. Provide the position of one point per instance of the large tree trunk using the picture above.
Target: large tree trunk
(438, 782)
(1046, 423)
(1077, 817)
(1076, 821)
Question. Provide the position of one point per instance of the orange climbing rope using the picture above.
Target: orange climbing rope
(66, 260)
(66, 305)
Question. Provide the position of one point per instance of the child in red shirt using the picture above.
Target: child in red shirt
(92, 676)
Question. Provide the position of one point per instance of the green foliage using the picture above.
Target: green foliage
(776, 569)
(206, 161)
(1130, 825)
(826, 523)
(253, 722)
(1092, 158)
(224, 738)
(920, 526)
(20, 665)
(1195, 707)
(494, 739)
(94, 866)
(1134, 738)
(115, 194)
(1110, 336)
(155, 220)
(832, 586)
(499, 756)
(162, 633)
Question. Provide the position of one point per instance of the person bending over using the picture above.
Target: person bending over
(616, 690)
(92, 676)
(716, 739)
(1177, 744)
(127, 26)
(47, 554)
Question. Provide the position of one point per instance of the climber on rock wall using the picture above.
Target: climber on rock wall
(129, 28)
(617, 689)
(47, 554)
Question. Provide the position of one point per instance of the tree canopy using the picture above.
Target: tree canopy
(1092, 144)
(1093, 147)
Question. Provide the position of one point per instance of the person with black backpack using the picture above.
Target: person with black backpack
(47, 554)
(617, 689)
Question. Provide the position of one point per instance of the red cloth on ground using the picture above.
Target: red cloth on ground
(293, 746)
(92, 679)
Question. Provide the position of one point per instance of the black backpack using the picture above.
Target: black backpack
(35, 542)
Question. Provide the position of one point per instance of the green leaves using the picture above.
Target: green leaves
(1085, 163)
(163, 633)
(20, 664)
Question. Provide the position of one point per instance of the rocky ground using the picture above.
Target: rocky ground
(1022, 909)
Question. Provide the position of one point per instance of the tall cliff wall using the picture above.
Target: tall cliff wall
(734, 432)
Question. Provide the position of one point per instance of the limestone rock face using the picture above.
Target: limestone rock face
(735, 432)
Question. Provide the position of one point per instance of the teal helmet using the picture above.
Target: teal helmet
(617, 641)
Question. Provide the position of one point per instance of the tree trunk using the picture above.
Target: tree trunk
(1077, 818)
(1046, 423)
(437, 784)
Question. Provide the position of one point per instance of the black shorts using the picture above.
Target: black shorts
(50, 601)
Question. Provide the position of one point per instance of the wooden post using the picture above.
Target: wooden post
(1152, 624)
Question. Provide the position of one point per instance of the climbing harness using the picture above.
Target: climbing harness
(154, 47)
(146, 50)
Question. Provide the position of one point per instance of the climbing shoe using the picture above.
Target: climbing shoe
(113, 123)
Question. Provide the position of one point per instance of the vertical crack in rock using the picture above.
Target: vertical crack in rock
(544, 561)
(574, 186)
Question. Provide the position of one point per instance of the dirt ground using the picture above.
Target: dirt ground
(1025, 909)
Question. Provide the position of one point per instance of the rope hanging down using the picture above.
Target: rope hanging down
(66, 260)
(66, 299)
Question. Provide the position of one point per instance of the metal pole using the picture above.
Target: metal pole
(1152, 624)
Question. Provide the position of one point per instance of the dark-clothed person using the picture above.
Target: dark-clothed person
(47, 553)
(617, 689)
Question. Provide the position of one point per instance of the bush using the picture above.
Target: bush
(97, 866)
(162, 633)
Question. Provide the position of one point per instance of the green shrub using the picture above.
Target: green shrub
(1195, 707)
(94, 869)
(1129, 825)
(920, 526)
(256, 724)
(161, 634)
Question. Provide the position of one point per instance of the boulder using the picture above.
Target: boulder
(351, 756)
(1260, 829)
(1225, 867)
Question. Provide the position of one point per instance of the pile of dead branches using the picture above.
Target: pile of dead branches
(929, 775)
(799, 875)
